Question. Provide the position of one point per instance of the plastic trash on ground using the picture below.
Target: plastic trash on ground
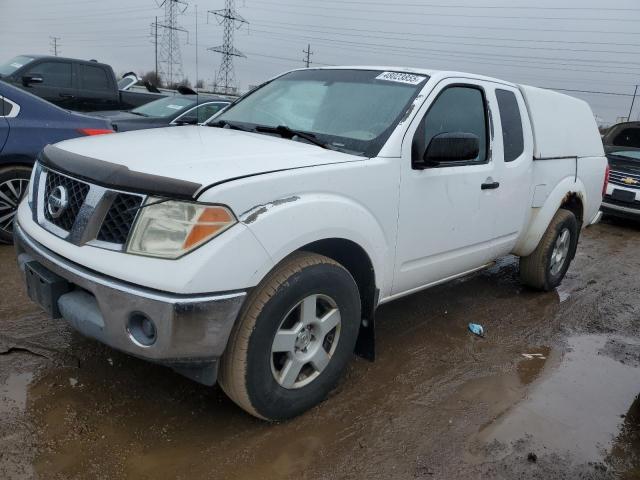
(476, 329)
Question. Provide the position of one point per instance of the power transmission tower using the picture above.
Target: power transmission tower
(54, 45)
(308, 52)
(170, 62)
(230, 20)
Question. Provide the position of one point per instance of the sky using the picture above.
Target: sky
(561, 44)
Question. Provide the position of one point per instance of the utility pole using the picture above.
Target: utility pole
(230, 20)
(308, 52)
(633, 100)
(54, 45)
(170, 56)
(154, 26)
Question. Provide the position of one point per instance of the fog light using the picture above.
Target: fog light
(142, 330)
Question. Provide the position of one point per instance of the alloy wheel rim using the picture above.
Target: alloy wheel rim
(305, 341)
(560, 251)
(11, 192)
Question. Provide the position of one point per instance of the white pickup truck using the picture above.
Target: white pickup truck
(254, 251)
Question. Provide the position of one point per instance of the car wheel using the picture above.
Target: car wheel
(294, 338)
(14, 183)
(547, 265)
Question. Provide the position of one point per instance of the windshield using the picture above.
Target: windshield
(14, 64)
(350, 110)
(632, 154)
(165, 107)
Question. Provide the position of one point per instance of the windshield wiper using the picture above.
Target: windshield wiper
(286, 132)
(138, 113)
(234, 126)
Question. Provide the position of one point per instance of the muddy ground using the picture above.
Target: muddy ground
(550, 392)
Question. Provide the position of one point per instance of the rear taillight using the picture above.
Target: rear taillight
(95, 131)
(606, 181)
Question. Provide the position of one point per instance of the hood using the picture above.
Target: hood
(114, 115)
(197, 155)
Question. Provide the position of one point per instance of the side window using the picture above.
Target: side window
(5, 108)
(205, 112)
(94, 78)
(457, 109)
(512, 137)
(54, 74)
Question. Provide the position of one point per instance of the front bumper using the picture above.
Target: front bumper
(627, 211)
(192, 330)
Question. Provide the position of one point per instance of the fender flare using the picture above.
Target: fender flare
(285, 225)
(541, 216)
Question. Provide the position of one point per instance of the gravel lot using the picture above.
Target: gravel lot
(550, 392)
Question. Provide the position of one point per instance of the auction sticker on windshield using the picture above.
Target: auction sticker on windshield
(175, 107)
(409, 78)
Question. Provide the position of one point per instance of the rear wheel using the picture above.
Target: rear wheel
(547, 265)
(294, 338)
(14, 183)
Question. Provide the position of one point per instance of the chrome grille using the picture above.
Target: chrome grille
(93, 215)
(629, 180)
(77, 193)
(119, 220)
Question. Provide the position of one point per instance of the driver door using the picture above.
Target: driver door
(447, 211)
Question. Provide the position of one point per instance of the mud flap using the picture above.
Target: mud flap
(366, 342)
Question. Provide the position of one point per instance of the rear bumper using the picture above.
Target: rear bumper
(192, 330)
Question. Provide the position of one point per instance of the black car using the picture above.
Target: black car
(165, 112)
(622, 146)
(80, 85)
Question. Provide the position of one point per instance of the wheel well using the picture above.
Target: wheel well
(353, 257)
(573, 202)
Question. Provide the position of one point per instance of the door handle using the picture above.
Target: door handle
(490, 186)
(66, 95)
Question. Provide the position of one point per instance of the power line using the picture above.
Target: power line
(446, 25)
(229, 18)
(403, 35)
(358, 10)
(627, 65)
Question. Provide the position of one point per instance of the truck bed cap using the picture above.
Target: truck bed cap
(563, 126)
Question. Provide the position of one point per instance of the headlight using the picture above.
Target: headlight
(171, 228)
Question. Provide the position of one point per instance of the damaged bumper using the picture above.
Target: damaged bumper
(188, 333)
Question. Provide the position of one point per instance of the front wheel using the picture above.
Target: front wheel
(14, 183)
(547, 265)
(293, 339)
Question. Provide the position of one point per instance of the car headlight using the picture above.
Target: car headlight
(172, 228)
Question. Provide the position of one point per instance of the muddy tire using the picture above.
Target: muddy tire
(14, 183)
(295, 335)
(547, 265)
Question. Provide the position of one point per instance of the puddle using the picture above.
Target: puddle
(13, 393)
(583, 406)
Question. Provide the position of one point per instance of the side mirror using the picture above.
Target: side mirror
(452, 147)
(29, 79)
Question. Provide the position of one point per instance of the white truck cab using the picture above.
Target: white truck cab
(254, 251)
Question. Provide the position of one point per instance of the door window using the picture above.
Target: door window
(512, 137)
(54, 74)
(94, 78)
(457, 109)
(205, 112)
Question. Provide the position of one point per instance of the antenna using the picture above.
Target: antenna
(230, 20)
